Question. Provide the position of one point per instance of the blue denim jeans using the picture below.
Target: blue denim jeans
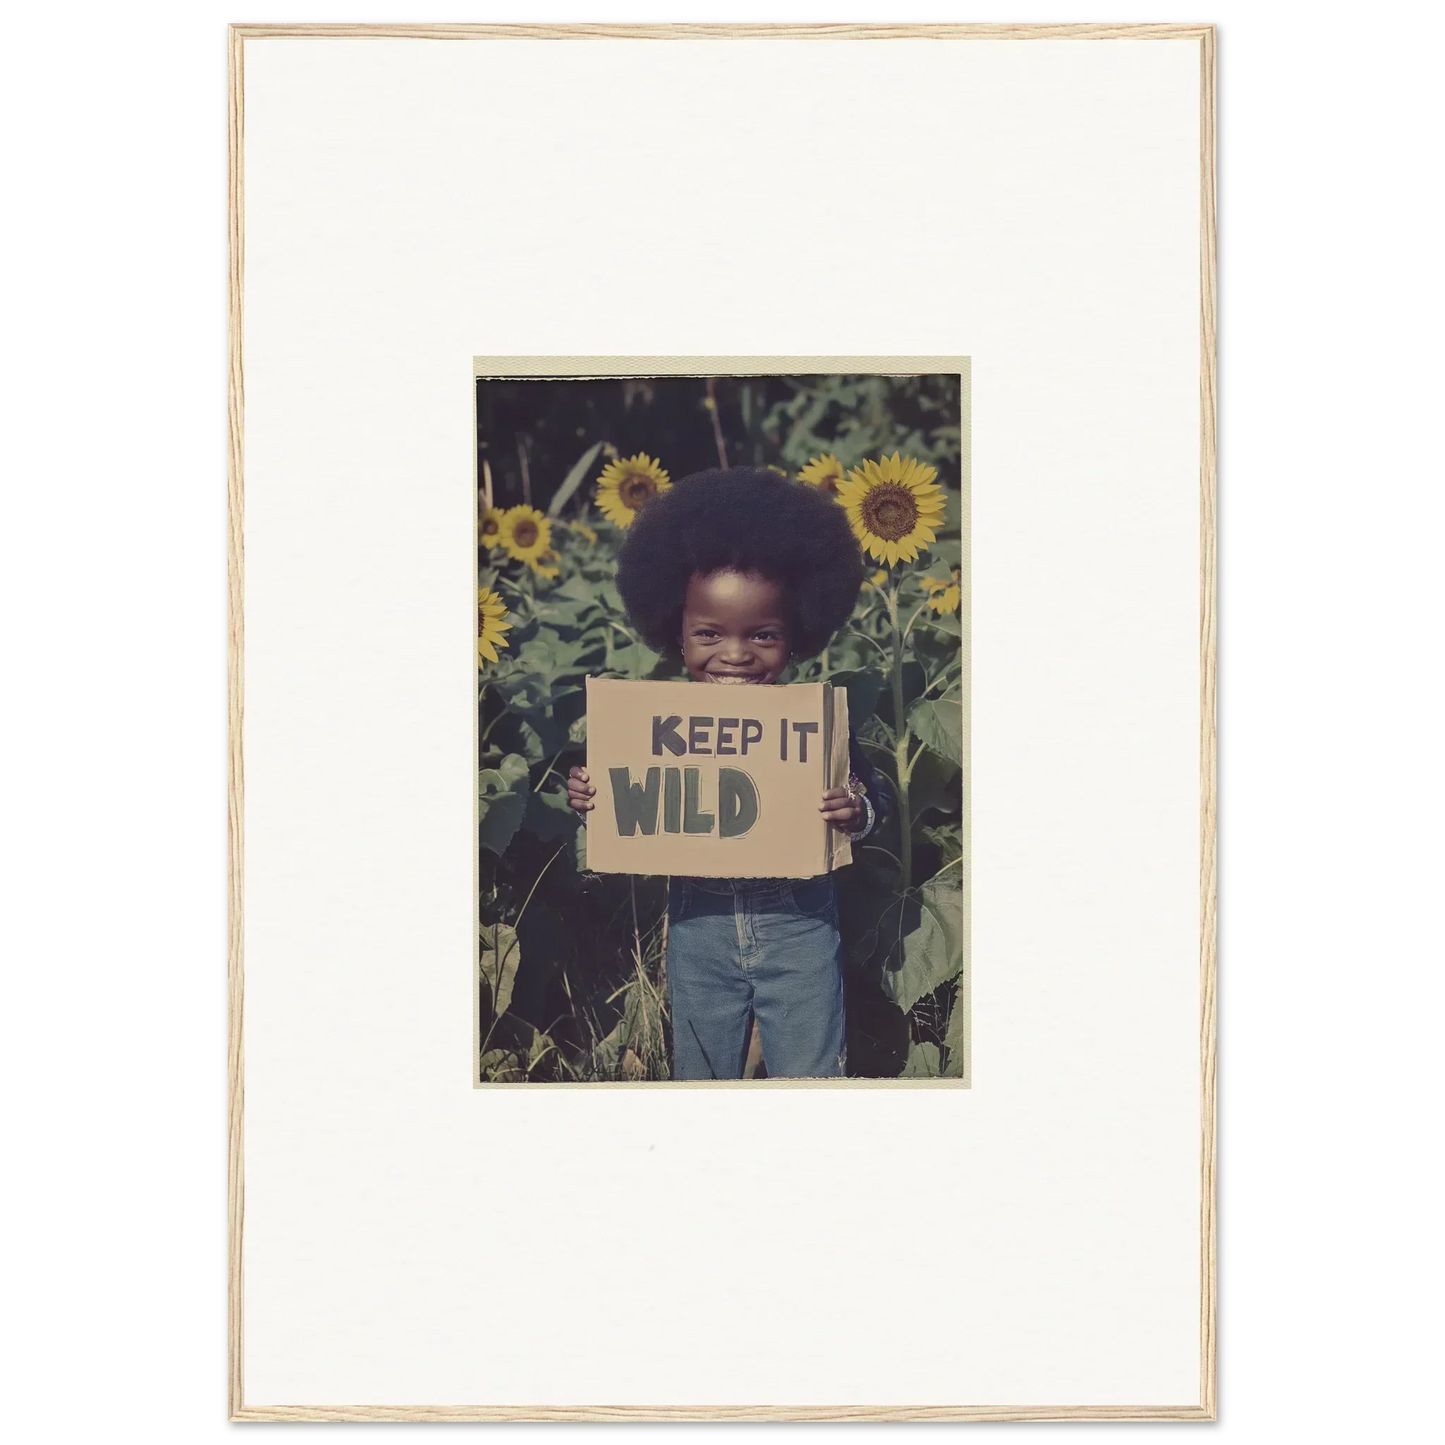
(764, 948)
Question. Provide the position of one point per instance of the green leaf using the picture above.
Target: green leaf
(542, 1045)
(864, 689)
(538, 697)
(578, 589)
(502, 802)
(524, 690)
(953, 1041)
(573, 479)
(924, 1062)
(948, 842)
(934, 783)
(636, 659)
(567, 656)
(531, 743)
(502, 1066)
(506, 777)
(938, 724)
(550, 816)
(945, 625)
(850, 653)
(500, 957)
(931, 950)
(559, 611)
(501, 816)
(513, 770)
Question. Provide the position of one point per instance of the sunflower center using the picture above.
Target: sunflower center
(890, 512)
(635, 490)
(489, 527)
(524, 534)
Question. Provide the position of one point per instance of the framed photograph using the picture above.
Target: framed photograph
(722, 743)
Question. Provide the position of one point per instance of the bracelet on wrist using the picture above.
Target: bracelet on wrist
(868, 817)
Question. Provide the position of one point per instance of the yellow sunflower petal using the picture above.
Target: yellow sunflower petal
(823, 472)
(629, 484)
(893, 505)
(525, 533)
(491, 624)
(489, 527)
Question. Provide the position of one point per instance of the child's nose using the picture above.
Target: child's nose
(737, 649)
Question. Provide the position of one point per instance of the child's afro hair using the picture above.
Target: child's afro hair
(749, 520)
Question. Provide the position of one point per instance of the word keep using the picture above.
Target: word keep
(733, 738)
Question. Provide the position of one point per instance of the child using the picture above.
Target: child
(741, 571)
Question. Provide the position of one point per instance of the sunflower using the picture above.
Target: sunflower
(489, 527)
(825, 473)
(943, 593)
(585, 532)
(546, 564)
(879, 579)
(491, 624)
(894, 505)
(626, 487)
(525, 533)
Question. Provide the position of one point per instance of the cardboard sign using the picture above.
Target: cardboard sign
(714, 781)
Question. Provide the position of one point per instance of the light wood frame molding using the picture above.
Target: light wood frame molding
(1205, 1408)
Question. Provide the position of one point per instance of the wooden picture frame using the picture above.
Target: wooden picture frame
(1202, 37)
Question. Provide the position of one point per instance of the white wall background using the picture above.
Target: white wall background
(407, 203)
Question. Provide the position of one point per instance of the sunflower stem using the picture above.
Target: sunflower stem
(526, 471)
(717, 433)
(900, 749)
(908, 630)
(537, 786)
(487, 731)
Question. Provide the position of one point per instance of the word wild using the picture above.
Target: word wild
(679, 792)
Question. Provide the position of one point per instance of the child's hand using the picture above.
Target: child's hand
(842, 810)
(579, 791)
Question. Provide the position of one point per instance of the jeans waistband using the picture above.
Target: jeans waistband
(735, 885)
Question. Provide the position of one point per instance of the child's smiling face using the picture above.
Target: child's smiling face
(734, 628)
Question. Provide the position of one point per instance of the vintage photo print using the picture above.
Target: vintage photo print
(722, 723)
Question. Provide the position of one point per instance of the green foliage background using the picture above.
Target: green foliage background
(572, 964)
